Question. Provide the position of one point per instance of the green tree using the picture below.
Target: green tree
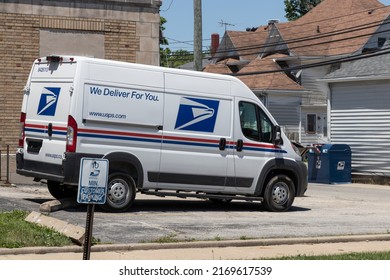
(296, 8)
(169, 58)
(163, 42)
(176, 58)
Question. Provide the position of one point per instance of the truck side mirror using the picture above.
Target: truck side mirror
(277, 135)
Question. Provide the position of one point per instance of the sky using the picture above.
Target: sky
(239, 15)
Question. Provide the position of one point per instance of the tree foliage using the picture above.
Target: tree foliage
(169, 58)
(296, 8)
(176, 58)
(163, 41)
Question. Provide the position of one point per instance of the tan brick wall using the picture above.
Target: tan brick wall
(20, 45)
(121, 42)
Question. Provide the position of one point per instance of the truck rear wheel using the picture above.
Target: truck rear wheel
(120, 192)
(279, 193)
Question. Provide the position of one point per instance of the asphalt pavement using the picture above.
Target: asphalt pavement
(331, 219)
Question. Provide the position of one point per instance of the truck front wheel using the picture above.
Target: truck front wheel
(120, 192)
(279, 193)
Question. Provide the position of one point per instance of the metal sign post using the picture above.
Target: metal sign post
(88, 232)
(92, 190)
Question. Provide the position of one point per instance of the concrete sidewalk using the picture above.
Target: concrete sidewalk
(214, 250)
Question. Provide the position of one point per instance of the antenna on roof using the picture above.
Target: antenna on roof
(222, 23)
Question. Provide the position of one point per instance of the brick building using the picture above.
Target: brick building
(126, 30)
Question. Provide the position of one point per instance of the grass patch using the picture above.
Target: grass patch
(349, 256)
(170, 238)
(15, 232)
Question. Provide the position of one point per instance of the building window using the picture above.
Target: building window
(311, 123)
(381, 42)
(263, 98)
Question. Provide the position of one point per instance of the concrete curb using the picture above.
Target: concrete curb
(76, 233)
(200, 244)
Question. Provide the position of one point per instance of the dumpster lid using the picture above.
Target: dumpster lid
(335, 148)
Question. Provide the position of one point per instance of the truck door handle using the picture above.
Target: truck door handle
(222, 144)
(239, 145)
(50, 129)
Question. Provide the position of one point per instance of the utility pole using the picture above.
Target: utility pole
(198, 35)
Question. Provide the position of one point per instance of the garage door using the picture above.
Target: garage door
(360, 117)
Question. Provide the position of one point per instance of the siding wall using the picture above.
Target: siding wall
(285, 110)
(314, 102)
(360, 117)
(310, 82)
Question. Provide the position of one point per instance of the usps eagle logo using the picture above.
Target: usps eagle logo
(197, 114)
(48, 102)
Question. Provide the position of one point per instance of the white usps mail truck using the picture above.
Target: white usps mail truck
(165, 132)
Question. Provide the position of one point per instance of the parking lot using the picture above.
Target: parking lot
(326, 210)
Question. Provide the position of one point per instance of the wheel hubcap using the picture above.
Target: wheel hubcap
(117, 191)
(280, 193)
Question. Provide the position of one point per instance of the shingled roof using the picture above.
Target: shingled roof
(368, 68)
(218, 68)
(274, 80)
(334, 27)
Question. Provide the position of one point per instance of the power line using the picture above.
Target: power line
(304, 40)
(324, 63)
(309, 38)
(319, 64)
(386, 11)
(331, 19)
(181, 42)
(189, 42)
(313, 38)
(167, 9)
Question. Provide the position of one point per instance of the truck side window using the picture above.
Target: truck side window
(255, 124)
(266, 127)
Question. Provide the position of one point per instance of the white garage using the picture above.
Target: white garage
(359, 115)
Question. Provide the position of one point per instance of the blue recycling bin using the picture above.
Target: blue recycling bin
(332, 165)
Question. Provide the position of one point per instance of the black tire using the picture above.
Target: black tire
(60, 191)
(120, 192)
(279, 194)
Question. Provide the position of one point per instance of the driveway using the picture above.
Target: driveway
(326, 210)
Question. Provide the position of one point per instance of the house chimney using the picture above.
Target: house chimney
(273, 21)
(214, 43)
(271, 24)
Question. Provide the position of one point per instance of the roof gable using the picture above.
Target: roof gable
(248, 44)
